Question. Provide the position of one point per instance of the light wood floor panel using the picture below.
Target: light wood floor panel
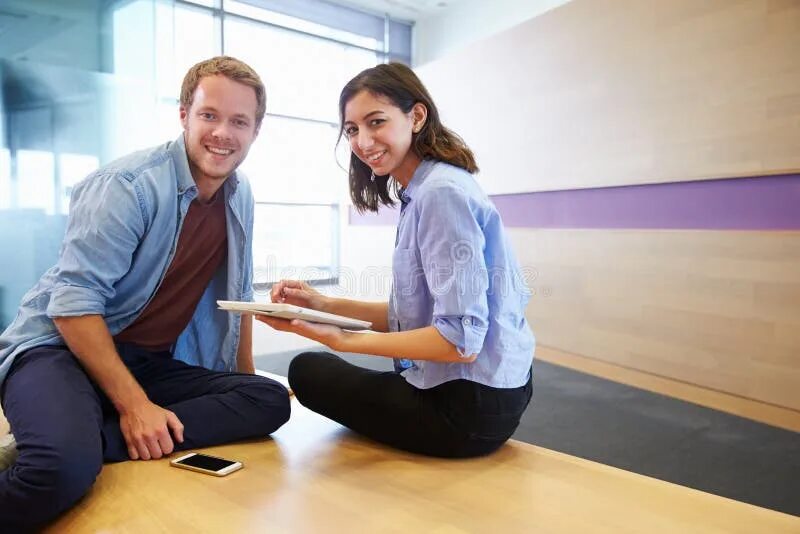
(317, 477)
(3, 424)
(716, 309)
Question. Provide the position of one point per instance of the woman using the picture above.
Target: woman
(455, 320)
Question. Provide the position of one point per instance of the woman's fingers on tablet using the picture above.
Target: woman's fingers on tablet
(285, 288)
(277, 293)
(286, 325)
(297, 296)
(292, 292)
(297, 293)
(274, 292)
(274, 322)
(323, 333)
(327, 334)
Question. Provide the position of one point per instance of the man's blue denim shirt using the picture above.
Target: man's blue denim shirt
(124, 223)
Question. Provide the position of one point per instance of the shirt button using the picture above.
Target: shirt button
(466, 321)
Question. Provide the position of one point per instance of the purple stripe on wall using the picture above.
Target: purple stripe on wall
(763, 203)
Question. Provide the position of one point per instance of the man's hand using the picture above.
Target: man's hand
(146, 428)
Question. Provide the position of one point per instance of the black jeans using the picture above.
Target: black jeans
(65, 427)
(457, 419)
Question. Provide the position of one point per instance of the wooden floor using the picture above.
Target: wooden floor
(315, 476)
(3, 424)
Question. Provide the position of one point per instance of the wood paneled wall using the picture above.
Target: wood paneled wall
(615, 92)
(717, 309)
(621, 92)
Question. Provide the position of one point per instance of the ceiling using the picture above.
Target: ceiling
(411, 10)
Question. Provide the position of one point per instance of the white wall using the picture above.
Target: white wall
(468, 21)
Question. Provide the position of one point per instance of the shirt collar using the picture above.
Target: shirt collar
(185, 181)
(420, 174)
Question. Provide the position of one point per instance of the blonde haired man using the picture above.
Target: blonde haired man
(119, 351)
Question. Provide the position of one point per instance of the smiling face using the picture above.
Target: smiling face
(219, 127)
(380, 134)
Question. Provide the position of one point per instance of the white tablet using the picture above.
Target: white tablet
(289, 311)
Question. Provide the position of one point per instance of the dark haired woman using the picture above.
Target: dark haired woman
(455, 320)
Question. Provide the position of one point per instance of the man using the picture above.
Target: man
(119, 351)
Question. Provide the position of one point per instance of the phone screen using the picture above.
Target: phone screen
(209, 463)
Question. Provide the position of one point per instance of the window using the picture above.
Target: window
(295, 241)
(73, 168)
(305, 51)
(186, 35)
(5, 179)
(35, 179)
(305, 77)
(103, 80)
(294, 161)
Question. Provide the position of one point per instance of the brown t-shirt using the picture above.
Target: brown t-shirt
(202, 247)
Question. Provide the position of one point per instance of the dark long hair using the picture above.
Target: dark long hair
(404, 89)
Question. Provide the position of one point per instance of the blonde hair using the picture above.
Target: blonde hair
(232, 68)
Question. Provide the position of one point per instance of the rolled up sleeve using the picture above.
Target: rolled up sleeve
(463, 332)
(452, 252)
(67, 301)
(106, 223)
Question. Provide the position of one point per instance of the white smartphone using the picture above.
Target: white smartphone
(203, 463)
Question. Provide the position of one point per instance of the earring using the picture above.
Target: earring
(372, 177)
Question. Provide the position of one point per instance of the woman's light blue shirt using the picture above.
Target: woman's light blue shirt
(453, 268)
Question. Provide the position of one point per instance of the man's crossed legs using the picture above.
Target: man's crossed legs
(65, 427)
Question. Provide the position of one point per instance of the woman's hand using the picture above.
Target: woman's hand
(327, 334)
(298, 293)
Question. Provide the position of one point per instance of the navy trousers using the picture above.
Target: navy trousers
(65, 427)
